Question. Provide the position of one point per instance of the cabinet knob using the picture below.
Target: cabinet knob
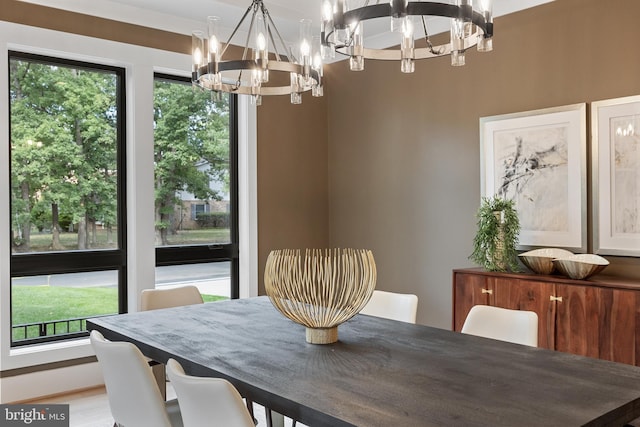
(487, 291)
(552, 298)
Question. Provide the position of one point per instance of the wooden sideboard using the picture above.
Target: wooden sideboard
(599, 317)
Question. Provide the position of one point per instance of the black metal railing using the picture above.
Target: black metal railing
(33, 333)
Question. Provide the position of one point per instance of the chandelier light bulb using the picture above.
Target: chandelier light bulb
(197, 53)
(213, 45)
(485, 41)
(261, 42)
(327, 10)
(407, 53)
(398, 14)
(197, 56)
(304, 48)
(356, 62)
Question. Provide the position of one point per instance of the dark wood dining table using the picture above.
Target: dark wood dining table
(381, 372)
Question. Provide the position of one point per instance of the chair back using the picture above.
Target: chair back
(516, 326)
(153, 299)
(391, 305)
(133, 394)
(207, 401)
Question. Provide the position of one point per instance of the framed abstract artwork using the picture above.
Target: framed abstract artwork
(615, 155)
(538, 159)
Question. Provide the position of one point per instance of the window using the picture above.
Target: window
(198, 211)
(195, 157)
(68, 237)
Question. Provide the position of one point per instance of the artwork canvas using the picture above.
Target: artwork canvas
(538, 159)
(616, 176)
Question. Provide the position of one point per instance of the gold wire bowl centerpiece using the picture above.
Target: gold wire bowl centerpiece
(320, 290)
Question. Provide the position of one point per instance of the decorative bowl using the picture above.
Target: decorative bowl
(580, 266)
(541, 260)
(321, 289)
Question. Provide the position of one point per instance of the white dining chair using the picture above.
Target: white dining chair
(134, 397)
(154, 299)
(207, 402)
(516, 326)
(391, 305)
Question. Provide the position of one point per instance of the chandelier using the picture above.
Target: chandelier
(342, 30)
(268, 66)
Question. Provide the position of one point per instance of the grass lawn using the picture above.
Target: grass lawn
(35, 304)
(41, 242)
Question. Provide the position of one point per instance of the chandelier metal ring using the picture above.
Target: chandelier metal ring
(342, 30)
(414, 9)
(249, 65)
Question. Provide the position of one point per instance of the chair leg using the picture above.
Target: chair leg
(274, 419)
(160, 374)
(249, 403)
(268, 417)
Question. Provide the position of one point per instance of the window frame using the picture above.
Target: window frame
(76, 261)
(207, 253)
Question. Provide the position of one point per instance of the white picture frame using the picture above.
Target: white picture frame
(538, 159)
(615, 149)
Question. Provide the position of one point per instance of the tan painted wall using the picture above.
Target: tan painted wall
(404, 156)
(292, 176)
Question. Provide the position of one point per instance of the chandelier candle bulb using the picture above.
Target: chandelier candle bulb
(296, 97)
(485, 41)
(341, 27)
(326, 27)
(197, 48)
(457, 43)
(262, 47)
(305, 49)
(316, 53)
(398, 15)
(407, 64)
(356, 62)
(213, 24)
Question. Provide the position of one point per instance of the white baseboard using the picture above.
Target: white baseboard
(36, 385)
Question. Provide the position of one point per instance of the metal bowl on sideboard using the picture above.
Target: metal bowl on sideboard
(581, 266)
(541, 260)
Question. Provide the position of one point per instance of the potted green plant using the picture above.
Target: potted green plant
(494, 246)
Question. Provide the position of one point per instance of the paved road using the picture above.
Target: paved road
(164, 276)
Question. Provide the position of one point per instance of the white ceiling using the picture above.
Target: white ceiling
(184, 16)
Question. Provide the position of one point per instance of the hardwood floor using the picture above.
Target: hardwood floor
(90, 408)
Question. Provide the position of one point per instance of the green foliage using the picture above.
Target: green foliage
(487, 249)
(63, 145)
(191, 148)
(213, 219)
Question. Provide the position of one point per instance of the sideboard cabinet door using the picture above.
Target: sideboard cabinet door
(597, 322)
